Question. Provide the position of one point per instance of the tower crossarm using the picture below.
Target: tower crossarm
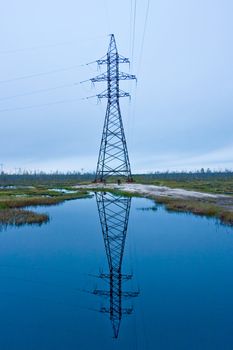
(107, 276)
(119, 58)
(120, 76)
(124, 311)
(122, 93)
(126, 76)
(125, 294)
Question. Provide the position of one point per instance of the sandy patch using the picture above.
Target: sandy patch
(157, 191)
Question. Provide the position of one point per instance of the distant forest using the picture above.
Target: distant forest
(70, 178)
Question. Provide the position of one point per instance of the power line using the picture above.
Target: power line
(140, 60)
(143, 35)
(45, 46)
(37, 92)
(39, 74)
(42, 73)
(134, 29)
(133, 15)
(34, 48)
(107, 16)
(40, 105)
(130, 26)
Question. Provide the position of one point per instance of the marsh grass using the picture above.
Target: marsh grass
(18, 217)
(197, 207)
(201, 207)
(12, 200)
(208, 185)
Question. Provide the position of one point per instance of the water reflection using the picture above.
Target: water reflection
(114, 217)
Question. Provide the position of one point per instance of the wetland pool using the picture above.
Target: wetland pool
(110, 273)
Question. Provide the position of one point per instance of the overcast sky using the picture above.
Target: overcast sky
(180, 115)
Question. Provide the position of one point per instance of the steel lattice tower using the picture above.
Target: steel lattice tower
(113, 157)
(114, 215)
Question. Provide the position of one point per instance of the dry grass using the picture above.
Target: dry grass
(12, 200)
(20, 217)
(212, 184)
(202, 207)
(197, 207)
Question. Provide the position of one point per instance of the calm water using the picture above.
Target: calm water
(51, 292)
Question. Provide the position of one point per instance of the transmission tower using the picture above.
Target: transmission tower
(113, 157)
(114, 215)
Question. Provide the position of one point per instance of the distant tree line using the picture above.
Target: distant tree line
(201, 174)
(70, 178)
(42, 178)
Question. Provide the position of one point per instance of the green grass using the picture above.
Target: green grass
(213, 185)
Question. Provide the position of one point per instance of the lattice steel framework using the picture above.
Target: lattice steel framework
(114, 215)
(113, 154)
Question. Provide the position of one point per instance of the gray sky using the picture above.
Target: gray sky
(180, 115)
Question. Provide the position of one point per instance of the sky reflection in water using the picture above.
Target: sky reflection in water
(181, 264)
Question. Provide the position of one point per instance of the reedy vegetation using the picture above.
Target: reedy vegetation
(203, 181)
(12, 199)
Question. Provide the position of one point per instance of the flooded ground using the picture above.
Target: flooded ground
(103, 274)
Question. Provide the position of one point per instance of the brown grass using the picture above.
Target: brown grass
(20, 217)
(11, 201)
(197, 207)
(202, 207)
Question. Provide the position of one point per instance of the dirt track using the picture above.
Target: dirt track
(158, 191)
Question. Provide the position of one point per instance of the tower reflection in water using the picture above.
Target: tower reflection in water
(114, 215)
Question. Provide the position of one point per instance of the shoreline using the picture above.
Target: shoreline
(14, 204)
(15, 201)
(217, 206)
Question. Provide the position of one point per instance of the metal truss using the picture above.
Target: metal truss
(114, 216)
(113, 154)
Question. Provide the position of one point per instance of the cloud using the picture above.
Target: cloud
(216, 159)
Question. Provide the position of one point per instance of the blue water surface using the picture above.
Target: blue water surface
(182, 266)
